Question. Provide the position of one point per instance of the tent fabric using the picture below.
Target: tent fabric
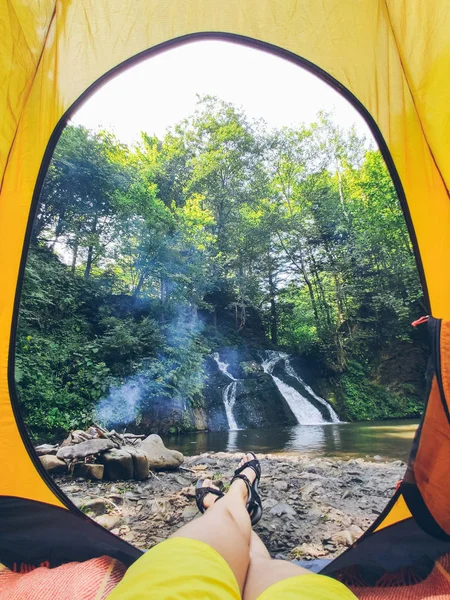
(390, 57)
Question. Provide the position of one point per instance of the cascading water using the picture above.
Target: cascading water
(229, 393)
(304, 411)
(290, 371)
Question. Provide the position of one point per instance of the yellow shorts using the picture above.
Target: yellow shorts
(185, 569)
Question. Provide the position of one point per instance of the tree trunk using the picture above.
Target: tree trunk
(90, 256)
(74, 254)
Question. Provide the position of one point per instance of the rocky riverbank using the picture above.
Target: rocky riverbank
(313, 507)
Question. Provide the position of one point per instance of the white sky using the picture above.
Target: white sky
(161, 91)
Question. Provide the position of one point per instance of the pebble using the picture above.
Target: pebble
(306, 502)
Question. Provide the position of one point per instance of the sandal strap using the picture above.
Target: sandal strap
(251, 464)
(200, 494)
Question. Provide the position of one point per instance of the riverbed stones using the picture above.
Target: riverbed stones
(159, 456)
(118, 464)
(84, 449)
(152, 510)
(52, 464)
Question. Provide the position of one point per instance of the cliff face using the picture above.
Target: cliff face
(243, 390)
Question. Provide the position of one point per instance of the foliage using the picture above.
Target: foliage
(145, 259)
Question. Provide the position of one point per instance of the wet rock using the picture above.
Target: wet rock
(98, 506)
(89, 471)
(118, 464)
(159, 456)
(52, 464)
(84, 449)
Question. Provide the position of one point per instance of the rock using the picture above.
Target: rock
(109, 521)
(348, 536)
(159, 456)
(84, 449)
(140, 462)
(282, 486)
(282, 509)
(46, 449)
(76, 437)
(52, 464)
(89, 471)
(189, 512)
(118, 464)
(309, 551)
(377, 457)
(98, 506)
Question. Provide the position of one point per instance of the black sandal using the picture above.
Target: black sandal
(201, 492)
(254, 505)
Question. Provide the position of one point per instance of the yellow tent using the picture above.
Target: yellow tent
(391, 58)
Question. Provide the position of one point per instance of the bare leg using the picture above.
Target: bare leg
(264, 571)
(226, 526)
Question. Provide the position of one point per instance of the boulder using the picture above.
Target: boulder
(159, 456)
(52, 464)
(84, 449)
(89, 471)
(140, 462)
(118, 464)
(46, 449)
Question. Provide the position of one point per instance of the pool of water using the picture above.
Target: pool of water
(388, 439)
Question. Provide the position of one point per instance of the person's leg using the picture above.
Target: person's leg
(225, 526)
(263, 571)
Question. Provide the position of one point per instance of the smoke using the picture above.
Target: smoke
(122, 404)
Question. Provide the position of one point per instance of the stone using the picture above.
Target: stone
(52, 464)
(189, 512)
(76, 437)
(46, 449)
(89, 471)
(377, 457)
(282, 509)
(98, 506)
(109, 521)
(140, 462)
(84, 449)
(118, 464)
(159, 456)
(348, 536)
(282, 486)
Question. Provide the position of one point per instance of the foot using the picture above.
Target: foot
(249, 473)
(206, 499)
(246, 481)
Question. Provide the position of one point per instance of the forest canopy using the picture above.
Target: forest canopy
(146, 259)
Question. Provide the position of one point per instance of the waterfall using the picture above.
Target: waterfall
(229, 392)
(304, 411)
(290, 371)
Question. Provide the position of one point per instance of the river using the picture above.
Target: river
(387, 439)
